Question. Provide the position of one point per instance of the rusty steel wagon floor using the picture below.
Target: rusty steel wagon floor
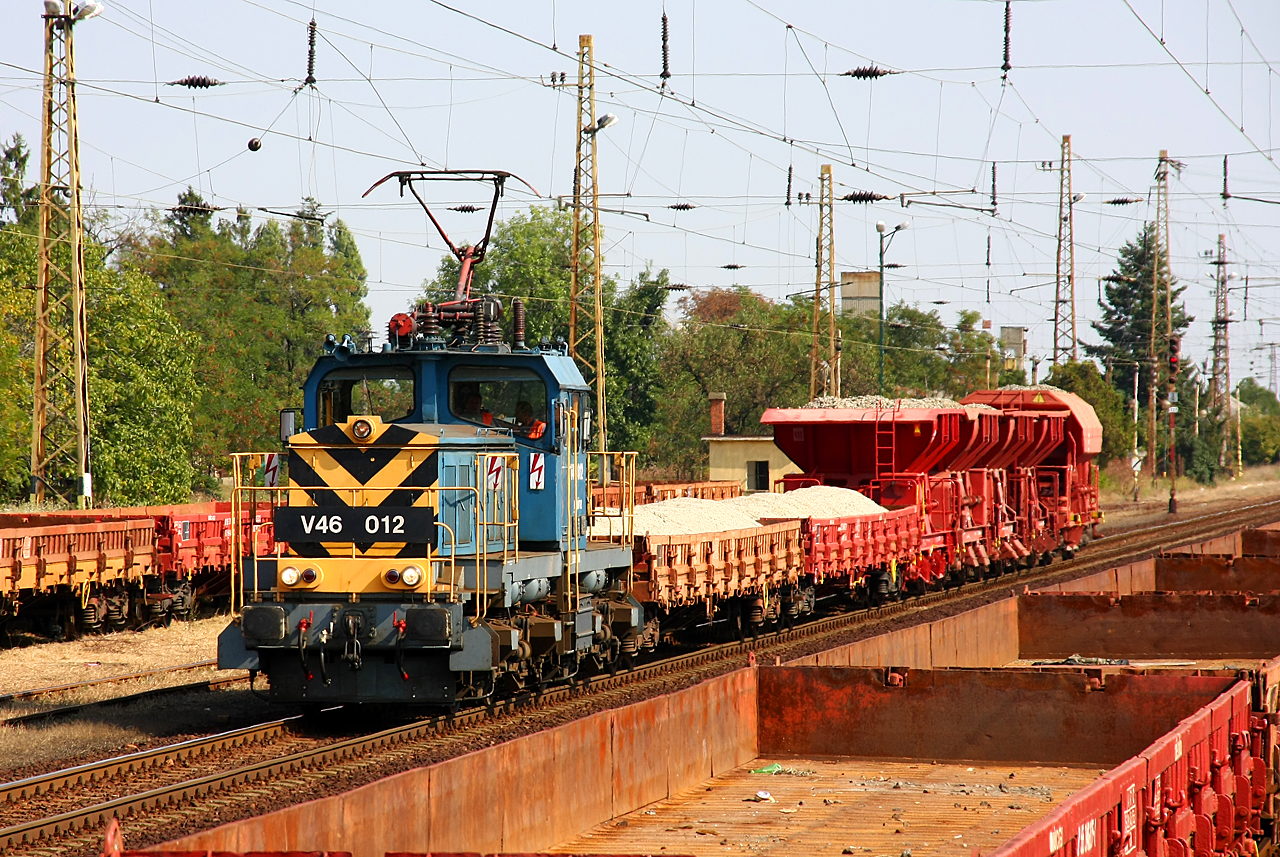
(874, 807)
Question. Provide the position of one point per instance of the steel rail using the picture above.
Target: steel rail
(43, 784)
(1134, 545)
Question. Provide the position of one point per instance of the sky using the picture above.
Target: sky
(756, 93)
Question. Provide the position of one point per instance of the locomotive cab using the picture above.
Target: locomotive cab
(438, 536)
(436, 541)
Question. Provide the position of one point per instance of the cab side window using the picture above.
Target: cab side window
(388, 392)
(501, 397)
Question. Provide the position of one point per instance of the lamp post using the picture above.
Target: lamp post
(886, 238)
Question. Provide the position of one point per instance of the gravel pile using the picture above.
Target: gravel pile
(818, 501)
(1033, 387)
(979, 407)
(862, 402)
(684, 516)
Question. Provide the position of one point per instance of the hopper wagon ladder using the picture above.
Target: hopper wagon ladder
(886, 441)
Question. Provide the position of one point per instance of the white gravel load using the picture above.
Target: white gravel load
(1049, 387)
(869, 402)
(683, 516)
(817, 501)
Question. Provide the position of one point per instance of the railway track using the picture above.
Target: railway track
(225, 784)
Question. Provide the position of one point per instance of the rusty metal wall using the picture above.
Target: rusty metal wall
(973, 715)
(1246, 541)
(1198, 789)
(1225, 574)
(527, 794)
(1123, 580)
(985, 637)
(1145, 625)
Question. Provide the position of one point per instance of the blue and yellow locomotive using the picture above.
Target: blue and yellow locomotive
(435, 520)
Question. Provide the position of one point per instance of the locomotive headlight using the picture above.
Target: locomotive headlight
(290, 576)
(411, 576)
(309, 575)
(362, 429)
(392, 576)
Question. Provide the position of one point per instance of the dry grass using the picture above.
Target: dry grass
(116, 730)
(25, 746)
(1257, 484)
(97, 657)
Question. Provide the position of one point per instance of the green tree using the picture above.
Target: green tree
(259, 302)
(1085, 381)
(1258, 397)
(1259, 438)
(1259, 423)
(18, 200)
(141, 385)
(916, 343)
(634, 325)
(528, 258)
(142, 391)
(732, 341)
(1125, 326)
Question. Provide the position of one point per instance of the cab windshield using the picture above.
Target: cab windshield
(500, 396)
(384, 391)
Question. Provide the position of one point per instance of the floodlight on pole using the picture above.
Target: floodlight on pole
(92, 9)
(603, 122)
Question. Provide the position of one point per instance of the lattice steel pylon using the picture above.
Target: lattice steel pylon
(825, 275)
(1065, 346)
(1220, 381)
(60, 404)
(586, 290)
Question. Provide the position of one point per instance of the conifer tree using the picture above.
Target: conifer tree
(1125, 326)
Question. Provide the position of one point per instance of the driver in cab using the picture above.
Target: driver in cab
(473, 409)
(528, 425)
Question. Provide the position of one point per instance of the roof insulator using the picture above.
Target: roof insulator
(864, 196)
(867, 72)
(195, 81)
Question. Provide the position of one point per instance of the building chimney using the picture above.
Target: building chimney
(717, 414)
